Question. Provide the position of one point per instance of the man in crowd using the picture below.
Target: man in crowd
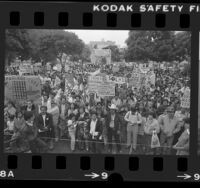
(168, 125)
(44, 123)
(113, 127)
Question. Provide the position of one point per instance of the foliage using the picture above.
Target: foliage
(158, 46)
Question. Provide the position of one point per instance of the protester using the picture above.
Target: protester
(168, 124)
(133, 118)
(182, 146)
(44, 123)
(95, 133)
(113, 128)
(72, 124)
(71, 114)
(151, 126)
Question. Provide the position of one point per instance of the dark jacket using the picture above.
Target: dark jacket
(98, 128)
(117, 122)
(29, 132)
(48, 122)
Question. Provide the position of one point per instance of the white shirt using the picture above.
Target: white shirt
(112, 122)
(93, 127)
(44, 119)
(133, 118)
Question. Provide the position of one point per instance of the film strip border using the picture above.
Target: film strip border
(65, 167)
(82, 15)
(75, 167)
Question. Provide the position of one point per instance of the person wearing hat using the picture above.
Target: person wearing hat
(168, 124)
(95, 129)
(134, 119)
(113, 128)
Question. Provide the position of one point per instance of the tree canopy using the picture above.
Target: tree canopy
(158, 46)
(42, 45)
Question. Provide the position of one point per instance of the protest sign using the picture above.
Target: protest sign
(101, 86)
(69, 82)
(25, 68)
(22, 88)
(116, 80)
(135, 80)
(150, 78)
(185, 100)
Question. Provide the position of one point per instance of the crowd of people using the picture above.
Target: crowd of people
(143, 120)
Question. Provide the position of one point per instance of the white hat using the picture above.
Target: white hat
(113, 107)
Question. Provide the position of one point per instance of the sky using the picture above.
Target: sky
(118, 36)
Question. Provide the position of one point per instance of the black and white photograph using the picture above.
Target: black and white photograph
(97, 91)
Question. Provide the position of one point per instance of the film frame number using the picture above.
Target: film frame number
(104, 175)
(197, 177)
(5, 174)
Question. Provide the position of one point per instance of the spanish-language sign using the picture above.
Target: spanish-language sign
(101, 86)
(25, 68)
(135, 80)
(22, 88)
(185, 100)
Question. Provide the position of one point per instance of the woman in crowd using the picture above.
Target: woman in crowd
(81, 132)
(150, 126)
(72, 124)
(10, 109)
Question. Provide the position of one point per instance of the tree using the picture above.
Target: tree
(17, 44)
(182, 46)
(158, 46)
(162, 45)
(52, 44)
(86, 52)
(139, 46)
(115, 53)
(41, 44)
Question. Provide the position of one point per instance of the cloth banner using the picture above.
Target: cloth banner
(22, 88)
